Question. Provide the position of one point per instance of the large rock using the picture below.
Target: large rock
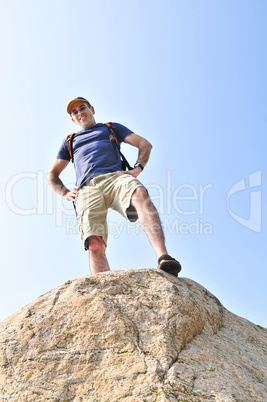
(130, 336)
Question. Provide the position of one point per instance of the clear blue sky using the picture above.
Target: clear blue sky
(188, 75)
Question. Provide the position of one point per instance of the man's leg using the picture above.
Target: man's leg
(97, 255)
(149, 220)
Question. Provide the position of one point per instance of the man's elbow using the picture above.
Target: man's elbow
(51, 176)
(148, 145)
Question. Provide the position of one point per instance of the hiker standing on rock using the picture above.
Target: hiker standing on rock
(102, 183)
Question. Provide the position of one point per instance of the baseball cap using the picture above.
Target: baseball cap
(76, 100)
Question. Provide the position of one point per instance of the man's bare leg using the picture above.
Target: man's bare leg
(97, 255)
(149, 220)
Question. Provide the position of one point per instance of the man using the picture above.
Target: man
(102, 184)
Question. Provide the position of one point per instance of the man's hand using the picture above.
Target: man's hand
(71, 195)
(134, 172)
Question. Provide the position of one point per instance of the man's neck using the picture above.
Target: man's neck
(88, 126)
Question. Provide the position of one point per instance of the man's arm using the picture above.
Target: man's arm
(53, 179)
(144, 149)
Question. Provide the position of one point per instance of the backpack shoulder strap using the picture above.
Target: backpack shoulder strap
(69, 139)
(112, 135)
(113, 139)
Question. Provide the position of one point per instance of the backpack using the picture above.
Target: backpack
(112, 138)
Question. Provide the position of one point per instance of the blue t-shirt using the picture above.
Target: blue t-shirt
(93, 153)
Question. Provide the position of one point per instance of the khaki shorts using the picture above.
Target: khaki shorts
(111, 190)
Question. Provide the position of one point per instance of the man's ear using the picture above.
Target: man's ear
(73, 121)
(93, 109)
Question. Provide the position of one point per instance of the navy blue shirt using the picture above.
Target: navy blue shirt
(93, 153)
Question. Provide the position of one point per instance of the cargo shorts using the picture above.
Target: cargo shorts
(111, 190)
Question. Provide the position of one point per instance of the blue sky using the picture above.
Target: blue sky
(190, 76)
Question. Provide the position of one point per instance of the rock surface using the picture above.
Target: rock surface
(131, 336)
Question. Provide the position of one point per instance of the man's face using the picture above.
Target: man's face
(82, 114)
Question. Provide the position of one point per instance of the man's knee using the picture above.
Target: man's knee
(141, 201)
(96, 245)
(140, 195)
